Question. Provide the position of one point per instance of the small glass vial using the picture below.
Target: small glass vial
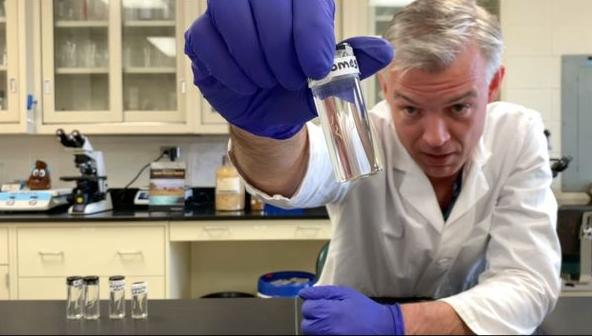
(140, 300)
(257, 205)
(92, 307)
(116, 297)
(230, 190)
(74, 301)
(346, 124)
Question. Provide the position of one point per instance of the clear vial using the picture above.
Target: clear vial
(92, 309)
(344, 118)
(74, 301)
(116, 297)
(140, 300)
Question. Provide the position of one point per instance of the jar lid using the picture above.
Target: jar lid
(91, 279)
(70, 280)
(284, 284)
(116, 278)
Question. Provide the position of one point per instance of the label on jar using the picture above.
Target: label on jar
(139, 289)
(228, 184)
(344, 66)
(116, 285)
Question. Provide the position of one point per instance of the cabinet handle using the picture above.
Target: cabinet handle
(47, 87)
(129, 253)
(183, 85)
(51, 253)
(13, 86)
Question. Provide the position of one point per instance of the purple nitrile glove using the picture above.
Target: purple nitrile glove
(251, 60)
(333, 310)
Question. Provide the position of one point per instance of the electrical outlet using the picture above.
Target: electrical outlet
(172, 152)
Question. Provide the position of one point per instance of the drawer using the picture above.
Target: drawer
(4, 289)
(3, 246)
(250, 230)
(63, 251)
(55, 288)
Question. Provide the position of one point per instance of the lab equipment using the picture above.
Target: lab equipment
(354, 313)
(90, 195)
(33, 200)
(92, 304)
(74, 300)
(116, 297)
(345, 121)
(251, 60)
(139, 300)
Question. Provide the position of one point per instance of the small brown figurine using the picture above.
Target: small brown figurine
(39, 179)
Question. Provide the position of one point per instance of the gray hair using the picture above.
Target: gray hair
(429, 34)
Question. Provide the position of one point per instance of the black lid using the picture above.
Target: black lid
(91, 279)
(71, 279)
(116, 278)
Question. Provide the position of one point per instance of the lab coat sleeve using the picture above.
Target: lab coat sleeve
(319, 186)
(521, 283)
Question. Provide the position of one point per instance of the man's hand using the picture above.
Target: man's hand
(251, 60)
(332, 310)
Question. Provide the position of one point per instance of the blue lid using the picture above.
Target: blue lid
(284, 284)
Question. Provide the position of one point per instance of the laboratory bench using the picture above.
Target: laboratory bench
(222, 316)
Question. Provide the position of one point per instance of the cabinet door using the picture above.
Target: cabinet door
(4, 285)
(79, 81)
(153, 61)
(8, 62)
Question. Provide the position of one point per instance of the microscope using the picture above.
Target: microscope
(90, 195)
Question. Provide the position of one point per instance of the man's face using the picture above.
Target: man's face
(439, 116)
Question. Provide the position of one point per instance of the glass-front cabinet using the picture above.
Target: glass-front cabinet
(8, 62)
(113, 62)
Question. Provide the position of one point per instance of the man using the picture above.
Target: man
(462, 213)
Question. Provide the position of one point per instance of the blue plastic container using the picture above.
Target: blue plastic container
(284, 284)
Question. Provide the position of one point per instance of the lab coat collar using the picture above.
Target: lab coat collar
(419, 193)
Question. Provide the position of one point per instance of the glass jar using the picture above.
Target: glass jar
(230, 190)
(140, 300)
(92, 303)
(74, 300)
(116, 297)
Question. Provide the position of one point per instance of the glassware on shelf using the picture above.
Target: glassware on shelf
(133, 98)
(145, 12)
(147, 52)
(168, 10)
(102, 57)
(69, 54)
(98, 10)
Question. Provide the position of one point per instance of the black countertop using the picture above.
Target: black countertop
(222, 316)
(145, 215)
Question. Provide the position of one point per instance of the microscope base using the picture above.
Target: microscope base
(92, 208)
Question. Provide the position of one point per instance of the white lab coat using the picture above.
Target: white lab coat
(496, 260)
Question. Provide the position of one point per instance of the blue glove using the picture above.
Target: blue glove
(251, 60)
(332, 310)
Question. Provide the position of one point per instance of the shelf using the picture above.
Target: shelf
(81, 71)
(150, 70)
(150, 23)
(81, 24)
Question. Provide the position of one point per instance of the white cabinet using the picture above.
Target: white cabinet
(4, 283)
(15, 66)
(47, 254)
(116, 66)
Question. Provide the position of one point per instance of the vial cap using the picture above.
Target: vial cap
(70, 280)
(91, 280)
(116, 278)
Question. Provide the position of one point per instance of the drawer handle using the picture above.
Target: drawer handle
(309, 232)
(51, 253)
(217, 231)
(129, 253)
